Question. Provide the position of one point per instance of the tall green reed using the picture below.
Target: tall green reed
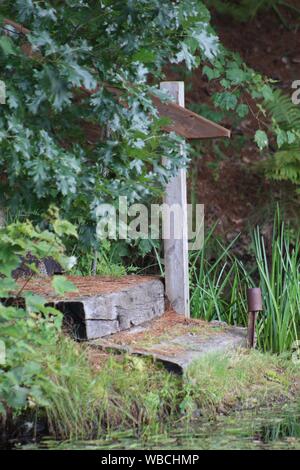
(279, 279)
(218, 283)
(219, 286)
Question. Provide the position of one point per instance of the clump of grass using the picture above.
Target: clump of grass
(240, 379)
(127, 392)
(218, 283)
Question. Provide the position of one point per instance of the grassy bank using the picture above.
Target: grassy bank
(91, 396)
(241, 380)
(101, 394)
(122, 392)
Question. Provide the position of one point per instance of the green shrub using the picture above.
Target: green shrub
(28, 331)
(64, 137)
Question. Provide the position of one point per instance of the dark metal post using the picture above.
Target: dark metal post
(254, 306)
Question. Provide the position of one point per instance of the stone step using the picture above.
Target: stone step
(102, 305)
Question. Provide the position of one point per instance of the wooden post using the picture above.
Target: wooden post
(2, 218)
(2, 101)
(176, 250)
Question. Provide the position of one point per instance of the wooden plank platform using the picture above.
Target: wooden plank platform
(175, 341)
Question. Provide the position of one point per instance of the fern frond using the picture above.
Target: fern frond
(282, 109)
(285, 166)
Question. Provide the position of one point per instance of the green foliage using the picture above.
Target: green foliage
(56, 96)
(62, 285)
(7, 46)
(285, 166)
(236, 79)
(219, 287)
(285, 122)
(29, 330)
(57, 102)
(104, 261)
(277, 117)
(261, 139)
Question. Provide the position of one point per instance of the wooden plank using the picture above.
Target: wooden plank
(101, 305)
(174, 341)
(188, 124)
(184, 122)
(95, 316)
(176, 250)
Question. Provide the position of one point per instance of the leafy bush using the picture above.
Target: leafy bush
(64, 136)
(28, 328)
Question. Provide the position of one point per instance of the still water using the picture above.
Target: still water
(275, 428)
